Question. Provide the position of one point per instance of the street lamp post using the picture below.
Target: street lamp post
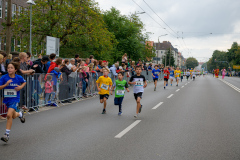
(31, 2)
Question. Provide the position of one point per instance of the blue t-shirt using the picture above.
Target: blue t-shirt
(48, 65)
(171, 73)
(10, 95)
(156, 72)
(149, 68)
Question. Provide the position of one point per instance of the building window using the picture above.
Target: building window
(6, 4)
(19, 45)
(19, 10)
(14, 10)
(0, 8)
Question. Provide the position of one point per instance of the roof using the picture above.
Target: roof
(164, 46)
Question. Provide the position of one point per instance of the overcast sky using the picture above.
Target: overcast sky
(192, 21)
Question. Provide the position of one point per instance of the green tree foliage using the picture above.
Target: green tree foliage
(232, 56)
(128, 32)
(78, 24)
(191, 62)
(171, 58)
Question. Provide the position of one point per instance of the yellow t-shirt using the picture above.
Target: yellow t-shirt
(191, 72)
(177, 73)
(104, 83)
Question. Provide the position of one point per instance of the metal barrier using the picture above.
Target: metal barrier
(64, 88)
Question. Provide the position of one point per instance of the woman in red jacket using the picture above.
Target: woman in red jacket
(57, 63)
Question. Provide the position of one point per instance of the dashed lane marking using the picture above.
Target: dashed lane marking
(127, 129)
(177, 90)
(170, 96)
(231, 85)
(158, 105)
(182, 86)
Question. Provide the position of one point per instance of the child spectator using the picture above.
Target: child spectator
(49, 93)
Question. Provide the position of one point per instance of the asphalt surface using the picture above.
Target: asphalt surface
(199, 121)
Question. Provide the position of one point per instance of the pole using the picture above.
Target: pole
(170, 57)
(8, 32)
(30, 44)
(165, 58)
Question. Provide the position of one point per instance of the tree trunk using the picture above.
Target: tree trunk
(9, 23)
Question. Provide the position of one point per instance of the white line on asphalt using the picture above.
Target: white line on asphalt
(127, 129)
(186, 84)
(159, 104)
(177, 90)
(182, 86)
(170, 96)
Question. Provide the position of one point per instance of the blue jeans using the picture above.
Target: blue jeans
(118, 101)
(50, 96)
(84, 86)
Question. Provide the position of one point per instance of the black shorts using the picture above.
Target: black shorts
(102, 96)
(165, 79)
(54, 88)
(136, 95)
(155, 79)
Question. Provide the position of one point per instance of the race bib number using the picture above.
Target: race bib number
(177, 74)
(139, 83)
(10, 93)
(104, 86)
(120, 92)
(156, 72)
(165, 75)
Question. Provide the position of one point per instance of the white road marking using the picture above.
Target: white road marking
(182, 86)
(127, 129)
(170, 96)
(158, 105)
(177, 90)
(186, 84)
(231, 85)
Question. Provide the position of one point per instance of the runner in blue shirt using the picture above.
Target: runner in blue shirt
(12, 84)
(155, 73)
(171, 75)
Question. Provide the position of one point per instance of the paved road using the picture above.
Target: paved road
(199, 121)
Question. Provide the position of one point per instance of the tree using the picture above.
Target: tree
(191, 62)
(128, 32)
(172, 61)
(79, 25)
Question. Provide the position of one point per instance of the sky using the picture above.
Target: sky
(196, 28)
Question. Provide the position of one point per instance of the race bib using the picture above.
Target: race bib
(10, 93)
(104, 86)
(177, 74)
(165, 74)
(156, 72)
(120, 92)
(139, 83)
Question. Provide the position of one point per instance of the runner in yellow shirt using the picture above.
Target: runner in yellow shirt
(191, 70)
(177, 74)
(104, 84)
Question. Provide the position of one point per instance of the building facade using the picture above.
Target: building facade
(18, 6)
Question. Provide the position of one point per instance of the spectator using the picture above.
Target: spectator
(95, 65)
(9, 59)
(3, 69)
(51, 59)
(99, 67)
(113, 69)
(29, 62)
(87, 62)
(72, 66)
(150, 67)
(39, 56)
(144, 66)
(76, 59)
(40, 65)
(85, 79)
(24, 68)
(91, 58)
(124, 58)
(57, 63)
(49, 92)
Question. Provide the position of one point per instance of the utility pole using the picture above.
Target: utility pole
(9, 23)
(165, 58)
(170, 56)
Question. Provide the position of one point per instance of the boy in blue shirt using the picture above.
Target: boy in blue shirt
(155, 73)
(12, 84)
(171, 75)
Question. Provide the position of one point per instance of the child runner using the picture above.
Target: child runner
(177, 73)
(171, 75)
(155, 73)
(188, 74)
(12, 84)
(120, 85)
(166, 76)
(139, 83)
(104, 84)
(181, 75)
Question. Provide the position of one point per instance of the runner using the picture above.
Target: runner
(191, 70)
(120, 85)
(171, 75)
(194, 75)
(139, 83)
(181, 75)
(12, 84)
(103, 84)
(188, 74)
(177, 74)
(223, 72)
(155, 73)
(166, 76)
(185, 73)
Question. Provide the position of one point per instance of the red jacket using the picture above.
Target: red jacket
(52, 66)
